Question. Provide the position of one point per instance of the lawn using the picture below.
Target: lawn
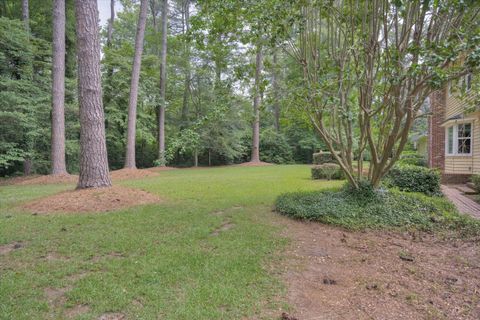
(203, 253)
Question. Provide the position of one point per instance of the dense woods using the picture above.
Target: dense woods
(187, 83)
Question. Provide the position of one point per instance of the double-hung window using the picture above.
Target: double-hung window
(459, 139)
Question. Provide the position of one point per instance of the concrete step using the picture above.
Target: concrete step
(465, 189)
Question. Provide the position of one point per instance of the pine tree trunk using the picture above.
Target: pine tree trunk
(163, 75)
(276, 106)
(132, 105)
(58, 89)
(256, 107)
(195, 158)
(26, 15)
(186, 88)
(110, 23)
(93, 150)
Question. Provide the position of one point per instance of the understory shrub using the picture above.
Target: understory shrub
(414, 179)
(275, 148)
(476, 181)
(327, 171)
(323, 157)
(412, 158)
(388, 209)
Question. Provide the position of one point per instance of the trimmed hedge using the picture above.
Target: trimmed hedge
(414, 179)
(323, 157)
(386, 209)
(412, 158)
(329, 171)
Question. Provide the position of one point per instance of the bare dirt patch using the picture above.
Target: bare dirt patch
(76, 311)
(91, 200)
(255, 164)
(39, 179)
(335, 274)
(56, 296)
(224, 227)
(112, 316)
(130, 174)
(7, 248)
(159, 169)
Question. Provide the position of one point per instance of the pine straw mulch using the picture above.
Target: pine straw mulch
(128, 174)
(332, 273)
(255, 164)
(39, 179)
(91, 200)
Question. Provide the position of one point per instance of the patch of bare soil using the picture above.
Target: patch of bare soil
(159, 169)
(224, 227)
(335, 274)
(91, 200)
(127, 174)
(76, 311)
(7, 248)
(112, 316)
(255, 164)
(39, 179)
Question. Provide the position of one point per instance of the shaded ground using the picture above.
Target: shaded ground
(335, 274)
(91, 200)
(255, 164)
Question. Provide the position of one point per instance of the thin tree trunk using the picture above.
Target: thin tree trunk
(27, 167)
(186, 87)
(195, 158)
(58, 89)
(256, 107)
(93, 149)
(276, 105)
(110, 23)
(26, 15)
(132, 105)
(163, 75)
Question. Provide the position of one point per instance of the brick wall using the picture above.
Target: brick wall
(436, 133)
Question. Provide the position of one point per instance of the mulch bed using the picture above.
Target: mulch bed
(91, 200)
(255, 164)
(332, 273)
(127, 174)
(39, 179)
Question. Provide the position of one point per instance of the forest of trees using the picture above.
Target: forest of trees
(187, 83)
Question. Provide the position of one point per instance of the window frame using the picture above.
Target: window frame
(455, 138)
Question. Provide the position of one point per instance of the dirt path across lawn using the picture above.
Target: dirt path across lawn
(335, 274)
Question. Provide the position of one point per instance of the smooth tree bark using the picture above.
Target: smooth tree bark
(58, 89)
(132, 105)
(163, 80)
(93, 149)
(186, 87)
(255, 157)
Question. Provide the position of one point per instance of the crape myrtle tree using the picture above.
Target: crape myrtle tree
(368, 67)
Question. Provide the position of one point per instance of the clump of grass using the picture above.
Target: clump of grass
(384, 209)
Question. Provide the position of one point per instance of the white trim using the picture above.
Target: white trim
(455, 140)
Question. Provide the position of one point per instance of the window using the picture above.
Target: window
(459, 139)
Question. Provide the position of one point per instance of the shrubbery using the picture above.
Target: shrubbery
(323, 157)
(476, 181)
(412, 158)
(381, 209)
(414, 179)
(327, 171)
(275, 148)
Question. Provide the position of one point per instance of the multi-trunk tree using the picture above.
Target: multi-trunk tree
(368, 67)
(94, 171)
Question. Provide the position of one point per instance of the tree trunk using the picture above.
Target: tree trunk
(163, 75)
(27, 167)
(132, 105)
(58, 89)
(186, 87)
(93, 149)
(195, 158)
(256, 107)
(26, 15)
(110, 23)
(276, 105)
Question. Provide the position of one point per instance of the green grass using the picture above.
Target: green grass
(391, 209)
(154, 261)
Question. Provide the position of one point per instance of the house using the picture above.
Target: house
(454, 132)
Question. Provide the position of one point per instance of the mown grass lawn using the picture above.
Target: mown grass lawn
(157, 261)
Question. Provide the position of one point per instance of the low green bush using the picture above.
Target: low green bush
(412, 158)
(329, 171)
(414, 179)
(476, 181)
(388, 209)
(323, 157)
